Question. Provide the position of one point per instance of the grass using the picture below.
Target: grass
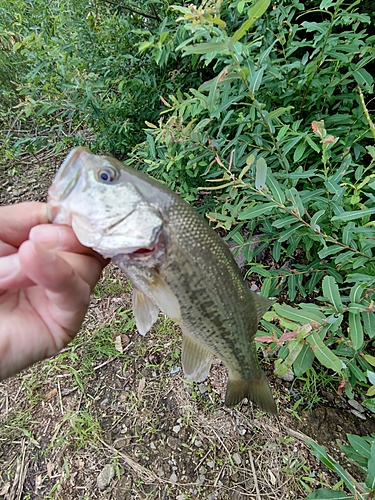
(114, 397)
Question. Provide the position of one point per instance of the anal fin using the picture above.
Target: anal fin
(196, 359)
(145, 311)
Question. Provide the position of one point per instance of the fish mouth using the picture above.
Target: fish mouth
(143, 256)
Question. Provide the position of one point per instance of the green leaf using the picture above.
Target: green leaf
(323, 456)
(370, 359)
(371, 377)
(276, 113)
(369, 323)
(256, 211)
(303, 361)
(293, 196)
(331, 292)
(323, 353)
(226, 104)
(276, 251)
(254, 13)
(204, 48)
(281, 367)
(370, 405)
(276, 188)
(356, 214)
(364, 79)
(370, 479)
(330, 250)
(260, 173)
(299, 151)
(360, 445)
(322, 493)
(312, 144)
(144, 46)
(292, 287)
(255, 79)
(355, 331)
(299, 315)
(284, 221)
(356, 293)
(316, 217)
(285, 235)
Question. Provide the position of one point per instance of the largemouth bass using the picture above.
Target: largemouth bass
(176, 262)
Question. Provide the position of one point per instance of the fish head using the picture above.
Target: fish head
(110, 207)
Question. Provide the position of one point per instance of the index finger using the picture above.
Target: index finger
(17, 220)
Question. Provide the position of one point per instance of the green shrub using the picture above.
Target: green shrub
(282, 137)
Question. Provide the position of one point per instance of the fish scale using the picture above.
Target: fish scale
(177, 263)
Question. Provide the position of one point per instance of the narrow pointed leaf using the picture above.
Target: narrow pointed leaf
(331, 292)
(256, 211)
(355, 330)
(355, 214)
(254, 13)
(260, 173)
(323, 353)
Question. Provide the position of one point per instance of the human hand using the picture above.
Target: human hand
(46, 277)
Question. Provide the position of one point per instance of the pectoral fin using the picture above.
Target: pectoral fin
(145, 311)
(196, 359)
(165, 298)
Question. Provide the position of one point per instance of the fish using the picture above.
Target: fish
(177, 263)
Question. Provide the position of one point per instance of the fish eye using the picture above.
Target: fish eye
(107, 174)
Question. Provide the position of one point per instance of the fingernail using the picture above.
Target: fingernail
(48, 235)
(9, 266)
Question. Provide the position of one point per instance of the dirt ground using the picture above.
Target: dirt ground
(111, 417)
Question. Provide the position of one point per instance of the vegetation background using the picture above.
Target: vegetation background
(258, 113)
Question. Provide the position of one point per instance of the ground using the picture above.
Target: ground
(111, 417)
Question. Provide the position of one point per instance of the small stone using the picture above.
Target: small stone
(173, 442)
(198, 443)
(236, 458)
(202, 469)
(152, 446)
(288, 376)
(210, 464)
(173, 478)
(105, 476)
(357, 406)
(176, 429)
(202, 388)
(359, 415)
(201, 479)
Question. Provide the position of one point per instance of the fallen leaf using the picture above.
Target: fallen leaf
(50, 394)
(118, 344)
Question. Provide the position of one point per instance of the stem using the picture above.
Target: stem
(365, 110)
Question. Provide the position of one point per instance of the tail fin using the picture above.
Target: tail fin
(256, 389)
